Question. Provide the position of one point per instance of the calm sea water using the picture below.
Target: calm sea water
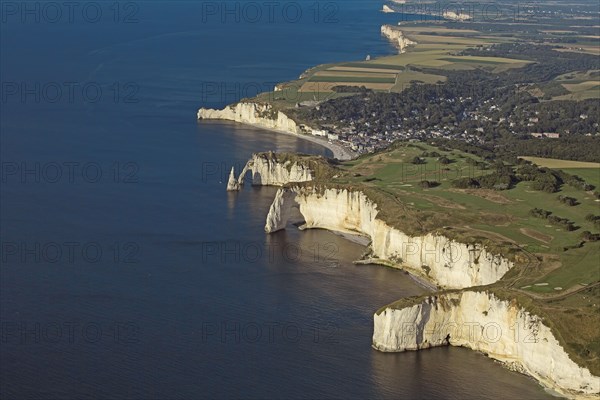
(128, 271)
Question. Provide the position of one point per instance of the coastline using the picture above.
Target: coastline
(342, 153)
(419, 281)
(232, 111)
(354, 238)
(339, 152)
(365, 241)
(423, 283)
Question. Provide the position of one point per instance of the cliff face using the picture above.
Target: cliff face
(268, 171)
(451, 15)
(280, 210)
(445, 262)
(482, 322)
(261, 115)
(397, 37)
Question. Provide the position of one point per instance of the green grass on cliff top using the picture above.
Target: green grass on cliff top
(557, 284)
(498, 219)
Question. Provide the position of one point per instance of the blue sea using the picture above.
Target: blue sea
(128, 272)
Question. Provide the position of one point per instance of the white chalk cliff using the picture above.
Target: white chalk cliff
(267, 170)
(264, 116)
(397, 37)
(446, 263)
(261, 115)
(482, 322)
(451, 15)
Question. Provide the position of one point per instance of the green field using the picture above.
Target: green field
(561, 164)
(591, 175)
(481, 60)
(436, 47)
(581, 85)
(372, 64)
(366, 79)
(489, 213)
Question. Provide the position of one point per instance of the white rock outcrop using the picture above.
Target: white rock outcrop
(267, 170)
(232, 183)
(482, 322)
(440, 260)
(261, 115)
(451, 15)
(397, 37)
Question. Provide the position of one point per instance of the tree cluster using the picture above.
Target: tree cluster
(594, 219)
(553, 219)
(570, 201)
(590, 237)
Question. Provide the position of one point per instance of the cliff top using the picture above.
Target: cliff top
(323, 168)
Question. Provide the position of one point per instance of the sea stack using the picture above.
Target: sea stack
(232, 183)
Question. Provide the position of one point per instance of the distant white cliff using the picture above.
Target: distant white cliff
(397, 37)
(261, 115)
(268, 170)
(482, 322)
(451, 15)
(445, 262)
(265, 116)
(388, 9)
